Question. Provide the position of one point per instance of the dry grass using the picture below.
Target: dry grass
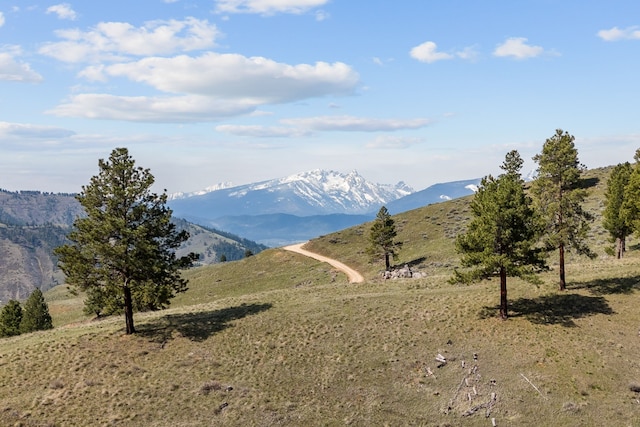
(279, 339)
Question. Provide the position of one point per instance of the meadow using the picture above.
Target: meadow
(281, 339)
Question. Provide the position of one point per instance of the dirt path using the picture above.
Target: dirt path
(352, 275)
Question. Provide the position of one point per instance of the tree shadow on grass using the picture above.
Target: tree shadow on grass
(557, 309)
(412, 263)
(197, 326)
(620, 285)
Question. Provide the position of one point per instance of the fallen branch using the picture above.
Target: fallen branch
(532, 385)
(487, 405)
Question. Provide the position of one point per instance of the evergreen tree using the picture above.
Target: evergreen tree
(35, 316)
(381, 242)
(614, 219)
(631, 204)
(559, 197)
(123, 252)
(10, 318)
(502, 235)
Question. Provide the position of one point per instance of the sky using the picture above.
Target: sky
(239, 91)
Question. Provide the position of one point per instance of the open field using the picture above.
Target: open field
(281, 339)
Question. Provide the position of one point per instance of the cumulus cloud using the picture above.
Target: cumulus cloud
(267, 7)
(355, 124)
(393, 142)
(20, 130)
(14, 70)
(518, 48)
(615, 34)
(117, 40)
(235, 76)
(63, 10)
(263, 131)
(428, 52)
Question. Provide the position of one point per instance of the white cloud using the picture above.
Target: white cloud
(233, 76)
(393, 142)
(13, 70)
(115, 40)
(262, 131)
(518, 48)
(322, 15)
(173, 109)
(206, 88)
(63, 10)
(615, 34)
(20, 131)
(355, 124)
(428, 52)
(1, 19)
(267, 7)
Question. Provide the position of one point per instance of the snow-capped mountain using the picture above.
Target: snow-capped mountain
(316, 192)
(215, 187)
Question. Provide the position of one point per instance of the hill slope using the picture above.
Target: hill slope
(280, 339)
(32, 224)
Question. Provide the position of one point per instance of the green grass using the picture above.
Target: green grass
(279, 339)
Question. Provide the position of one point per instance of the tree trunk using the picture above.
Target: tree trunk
(563, 283)
(620, 247)
(128, 310)
(503, 293)
(386, 261)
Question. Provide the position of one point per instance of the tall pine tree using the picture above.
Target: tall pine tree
(502, 235)
(559, 196)
(631, 204)
(381, 237)
(123, 252)
(614, 219)
(35, 316)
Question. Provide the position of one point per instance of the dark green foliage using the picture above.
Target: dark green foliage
(381, 237)
(631, 204)
(10, 318)
(35, 316)
(503, 232)
(559, 197)
(123, 252)
(614, 219)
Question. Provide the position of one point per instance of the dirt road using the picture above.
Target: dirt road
(352, 275)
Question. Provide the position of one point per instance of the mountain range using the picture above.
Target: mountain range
(302, 206)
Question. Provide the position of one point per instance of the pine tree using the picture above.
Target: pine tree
(381, 237)
(10, 318)
(123, 252)
(559, 197)
(501, 239)
(35, 316)
(614, 219)
(631, 204)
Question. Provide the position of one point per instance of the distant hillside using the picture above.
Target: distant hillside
(32, 224)
(434, 194)
(281, 229)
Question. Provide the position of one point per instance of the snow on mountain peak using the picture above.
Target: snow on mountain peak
(324, 191)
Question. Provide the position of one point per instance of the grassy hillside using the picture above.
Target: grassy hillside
(279, 339)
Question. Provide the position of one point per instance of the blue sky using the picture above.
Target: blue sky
(239, 91)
